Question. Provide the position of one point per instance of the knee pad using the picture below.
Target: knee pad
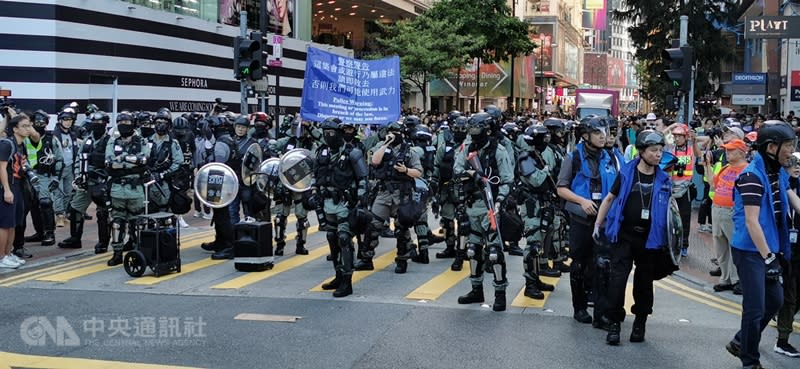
(333, 240)
(302, 224)
(472, 251)
(495, 255)
(345, 240)
(46, 203)
(118, 230)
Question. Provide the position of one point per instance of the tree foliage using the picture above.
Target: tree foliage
(657, 22)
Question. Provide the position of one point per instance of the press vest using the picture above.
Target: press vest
(583, 184)
(684, 157)
(659, 206)
(777, 239)
(724, 181)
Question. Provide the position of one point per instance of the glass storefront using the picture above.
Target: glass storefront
(204, 9)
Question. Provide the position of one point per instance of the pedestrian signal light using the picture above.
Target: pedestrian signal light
(247, 58)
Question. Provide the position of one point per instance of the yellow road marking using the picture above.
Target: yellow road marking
(96, 268)
(692, 297)
(526, 302)
(281, 267)
(72, 264)
(437, 286)
(150, 280)
(9, 360)
(379, 263)
(702, 294)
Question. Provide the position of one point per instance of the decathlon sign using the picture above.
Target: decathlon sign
(772, 27)
(749, 78)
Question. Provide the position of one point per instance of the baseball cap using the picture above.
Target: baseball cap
(736, 131)
(735, 144)
(651, 116)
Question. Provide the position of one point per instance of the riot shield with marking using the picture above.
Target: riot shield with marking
(216, 185)
(296, 170)
(250, 162)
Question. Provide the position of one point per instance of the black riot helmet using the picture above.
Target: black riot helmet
(423, 136)
(330, 123)
(479, 123)
(163, 114)
(125, 116)
(67, 114)
(647, 138)
(494, 112)
(348, 131)
(180, 123)
(510, 130)
(99, 117)
(143, 118)
(91, 109)
(394, 127)
(459, 129)
(537, 136)
(332, 132)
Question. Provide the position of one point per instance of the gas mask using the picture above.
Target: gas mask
(333, 138)
(97, 129)
(162, 128)
(147, 131)
(125, 130)
(260, 131)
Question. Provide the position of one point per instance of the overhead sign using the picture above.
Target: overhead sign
(748, 99)
(772, 27)
(277, 52)
(794, 94)
(355, 91)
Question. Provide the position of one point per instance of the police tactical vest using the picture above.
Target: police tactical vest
(448, 162)
(134, 147)
(427, 159)
(160, 159)
(385, 170)
(334, 170)
(96, 150)
(46, 145)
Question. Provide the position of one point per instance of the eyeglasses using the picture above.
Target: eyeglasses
(27, 125)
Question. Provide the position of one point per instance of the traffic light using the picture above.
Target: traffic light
(247, 58)
(679, 67)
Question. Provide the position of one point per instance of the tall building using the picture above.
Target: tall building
(147, 54)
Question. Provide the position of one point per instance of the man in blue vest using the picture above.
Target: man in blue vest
(762, 235)
(633, 218)
(585, 178)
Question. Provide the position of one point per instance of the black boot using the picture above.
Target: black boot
(499, 301)
(448, 252)
(333, 284)
(637, 334)
(434, 239)
(513, 249)
(223, 254)
(532, 291)
(301, 250)
(49, 225)
(100, 249)
(345, 288)
(582, 316)
(364, 264)
(547, 271)
(279, 245)
(208, 246)
(116, 259)
(401, 267)
(544, 286)
(36, 237)
(422, 257)
(473, 296)
(75, 231)
(601, 323)
(49, 238)
(613, 334)
(563, 268)
(458, 262)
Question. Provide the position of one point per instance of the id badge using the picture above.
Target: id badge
(597, 196)
(645, 214)
(792, 236)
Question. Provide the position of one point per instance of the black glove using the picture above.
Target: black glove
(774, 270)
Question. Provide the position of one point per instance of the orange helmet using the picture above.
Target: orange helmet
(681, 129)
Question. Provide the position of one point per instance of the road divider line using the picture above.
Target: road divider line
(437, 286)
(289, 263)
(8, 359)
(379, 263)
(696, 298)
(526, 302)
(703, 294)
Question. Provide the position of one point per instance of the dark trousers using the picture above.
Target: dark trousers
(761, 299)
(223, 228)
(791, 294)
(581, 250)
(685, 210)
(31, 206)
(704, 213)
(623, 256)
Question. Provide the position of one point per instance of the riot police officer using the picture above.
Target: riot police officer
(127, 161)
(484, 247)
(508, 138)
(340, 180)
(396, 167)
(90, 186)
(184, 134)
(242, 142)
(67, 139)
(427, 153)
(585, 178)
(305, 138)
(536, 192)
(164, 160)
(451, 194)
(49, 162)
(218, 147)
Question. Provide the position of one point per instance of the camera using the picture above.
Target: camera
(30, 174)
(680, 168)
(218, 107)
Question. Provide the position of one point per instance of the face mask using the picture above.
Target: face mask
(125, 130)
(459, 136)
(40, 129)
(147, 131)
(260, 132)
(539, 142)
(333, 139)
(162, 128)
(97, 129)
(480, 140)
(349, 136)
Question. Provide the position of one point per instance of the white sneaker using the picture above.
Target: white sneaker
(182, 222)
(198, 214)
(18, 259)
(249, 220)
(7, 262)
(208, 216)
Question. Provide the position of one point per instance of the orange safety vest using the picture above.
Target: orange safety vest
(687, 158)
(723, 184)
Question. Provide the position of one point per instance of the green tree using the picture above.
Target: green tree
(657, 22)
(428, 48)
